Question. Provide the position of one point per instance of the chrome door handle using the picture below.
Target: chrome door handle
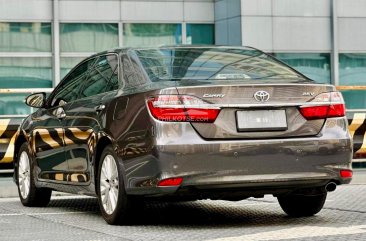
(59, 113)
(99, 108)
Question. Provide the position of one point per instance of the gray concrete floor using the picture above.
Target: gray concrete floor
(71, 217)
(79, 218)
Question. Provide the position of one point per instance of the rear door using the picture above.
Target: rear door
(48, 144)
(84, 117)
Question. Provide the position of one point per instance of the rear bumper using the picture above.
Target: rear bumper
(241, 165)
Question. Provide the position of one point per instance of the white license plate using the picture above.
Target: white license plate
(261, 120)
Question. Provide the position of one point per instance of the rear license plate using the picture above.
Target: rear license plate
(261, 120)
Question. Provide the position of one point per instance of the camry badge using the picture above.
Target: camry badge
(261, 96)
(213, 95)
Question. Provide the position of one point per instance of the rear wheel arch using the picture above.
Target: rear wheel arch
(102, 143)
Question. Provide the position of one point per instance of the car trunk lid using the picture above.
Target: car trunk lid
(241, 103)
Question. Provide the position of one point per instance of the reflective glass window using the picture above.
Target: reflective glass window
(355, 99)
(69, 88)
(88, 37)
(200, 34)
(102, 77)
(25, 72)
(352, 69)
(315, 66)
(151, 34)
(214, 64)
(67, 63)
(25, 37)
(132, 75)
(13, 104)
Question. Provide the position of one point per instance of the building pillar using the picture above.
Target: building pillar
(55, 42)
(334, 56)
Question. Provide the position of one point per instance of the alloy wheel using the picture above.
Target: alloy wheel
(109, 184)
(24, 174)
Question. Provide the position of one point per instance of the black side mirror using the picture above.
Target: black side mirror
(37, 100)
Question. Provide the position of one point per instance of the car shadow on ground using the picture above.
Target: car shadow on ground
(199, 214)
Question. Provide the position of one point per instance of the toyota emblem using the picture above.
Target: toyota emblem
(261, 96)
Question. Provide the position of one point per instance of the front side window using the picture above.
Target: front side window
(103, 77)
(69, 88)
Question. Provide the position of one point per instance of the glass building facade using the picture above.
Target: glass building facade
(315, 66)
(26, 63)
(151, 34)
(28, 58)
(26, 50)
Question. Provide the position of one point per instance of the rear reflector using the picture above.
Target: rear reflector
(170, 182)
(330, 105)
(346, 173)
(181, 108)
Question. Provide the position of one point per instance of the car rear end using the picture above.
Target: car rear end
(233, 139)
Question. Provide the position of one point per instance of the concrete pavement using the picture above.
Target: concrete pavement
(79, 218)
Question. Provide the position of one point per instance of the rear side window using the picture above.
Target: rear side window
(69, 88)
(132, 75)
(103, 76)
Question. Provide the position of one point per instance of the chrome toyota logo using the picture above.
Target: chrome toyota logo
(261, 96)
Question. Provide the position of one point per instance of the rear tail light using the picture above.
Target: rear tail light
(181, 108)
(325, 105)
(176, 181)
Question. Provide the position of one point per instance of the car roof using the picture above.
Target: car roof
(181, 46)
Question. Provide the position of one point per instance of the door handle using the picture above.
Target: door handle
(59, 113)
(99, 108)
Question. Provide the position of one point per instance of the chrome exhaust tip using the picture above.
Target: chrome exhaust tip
(330, 187)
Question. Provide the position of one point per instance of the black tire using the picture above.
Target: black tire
(122, 212)
(302, 205)
(37, 197)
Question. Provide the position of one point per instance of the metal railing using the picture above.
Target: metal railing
(352, 87)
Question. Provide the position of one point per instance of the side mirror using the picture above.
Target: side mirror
(37, 100)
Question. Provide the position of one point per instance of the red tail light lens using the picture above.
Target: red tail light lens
(181, 108)
(337, 110)
(346, 173)
(170, 182)
(322, 112)
(314, 112)
(330, 105)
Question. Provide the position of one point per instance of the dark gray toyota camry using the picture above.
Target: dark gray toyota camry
(184, 123)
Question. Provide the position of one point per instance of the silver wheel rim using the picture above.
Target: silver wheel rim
(109, 184)
(24, 175)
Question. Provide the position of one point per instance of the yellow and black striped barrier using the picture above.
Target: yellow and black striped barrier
(8, 133)
(356, 120)
(357, 129)
(9, 127)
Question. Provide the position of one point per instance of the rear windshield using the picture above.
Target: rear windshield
(163, 64)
